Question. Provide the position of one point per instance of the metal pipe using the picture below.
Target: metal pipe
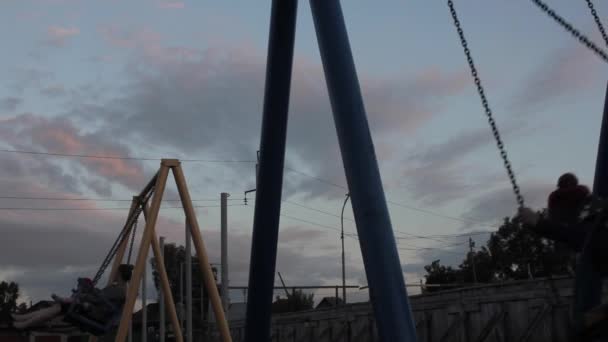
(588, 282)
(181, 295)
(188, 284)
(161, 299)
(270, 171)
(144, 305)
(224, 251)
(383, 268)
(343, 258)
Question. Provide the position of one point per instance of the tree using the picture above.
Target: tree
(518, 253)
(9, 293)
(296, 301)
(440, 274)
(511, 253)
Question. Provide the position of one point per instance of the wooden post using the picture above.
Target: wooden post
(164, 282)
(201, 252)
(166, 289)
(146, 240)
(120, 253)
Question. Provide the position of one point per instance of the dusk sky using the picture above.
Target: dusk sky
(185, 79)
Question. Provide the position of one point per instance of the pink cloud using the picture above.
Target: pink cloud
(171, 5)
(60, 135)
(58, 36)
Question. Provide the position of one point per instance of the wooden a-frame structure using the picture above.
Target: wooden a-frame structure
(149, 237)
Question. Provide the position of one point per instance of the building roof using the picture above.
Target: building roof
(327, 302)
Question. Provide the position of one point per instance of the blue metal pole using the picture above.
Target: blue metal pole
(270, 171)
(588, 282)
(380, 257)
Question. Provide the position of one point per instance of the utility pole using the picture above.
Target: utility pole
(188, 283)
(343, 259)
(144, 306)
(224, 247)
(472, 259)
(181, 295)
(161, 298)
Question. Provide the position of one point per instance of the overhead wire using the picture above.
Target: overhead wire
(89, 156)
(101, 199)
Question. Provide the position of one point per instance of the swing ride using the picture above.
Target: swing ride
(382, 265)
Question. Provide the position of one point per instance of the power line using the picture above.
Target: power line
(437, 238)
(100, 209)
(317, 210)
(425, 211)
(88, 156)
(101, 199)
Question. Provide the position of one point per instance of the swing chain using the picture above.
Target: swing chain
(598, 51)
(486, 106)
(596, 17)
(132, 241)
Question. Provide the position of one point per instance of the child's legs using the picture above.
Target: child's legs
(39, 316)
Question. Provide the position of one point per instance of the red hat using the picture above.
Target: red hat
(567, 180)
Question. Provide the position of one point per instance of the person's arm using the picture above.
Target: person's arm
(572, 234)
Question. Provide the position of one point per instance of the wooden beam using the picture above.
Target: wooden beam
(164, 280)
(201, 253)
(492, 323)
(142, 255)
(535, 322)
(120, 253)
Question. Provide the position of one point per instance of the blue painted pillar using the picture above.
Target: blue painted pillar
(588, 282)
(270, 171)
(380, 257)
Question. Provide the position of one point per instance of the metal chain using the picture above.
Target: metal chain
(596, 17)
(132, 242)
(486, 106)
(132, 219)
(598, 51)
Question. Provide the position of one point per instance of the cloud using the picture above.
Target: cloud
(171, 4)
(10, 103)
(564, 73)
(498, 204)
(53, 91)
(58, 36)
(25, 78)
(51, 135)
(440, 173)
(210, 102)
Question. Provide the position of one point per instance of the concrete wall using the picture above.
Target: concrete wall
(536, 310)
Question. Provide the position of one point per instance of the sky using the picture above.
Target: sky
(185, 79)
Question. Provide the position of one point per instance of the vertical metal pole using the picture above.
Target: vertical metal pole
(188, 284)
(224, 248)
(588, 282)
(144, 305)
(181, 295)
(270, 172)
(343, 259)
(472, 259)
(378, 247)
(161, 299)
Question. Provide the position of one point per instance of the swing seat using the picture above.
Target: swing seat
(98, 326)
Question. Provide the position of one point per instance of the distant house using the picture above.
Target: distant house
(329, 302)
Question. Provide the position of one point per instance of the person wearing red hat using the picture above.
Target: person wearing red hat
(568, 218)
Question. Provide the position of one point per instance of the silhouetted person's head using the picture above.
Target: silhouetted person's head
(567, 201)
